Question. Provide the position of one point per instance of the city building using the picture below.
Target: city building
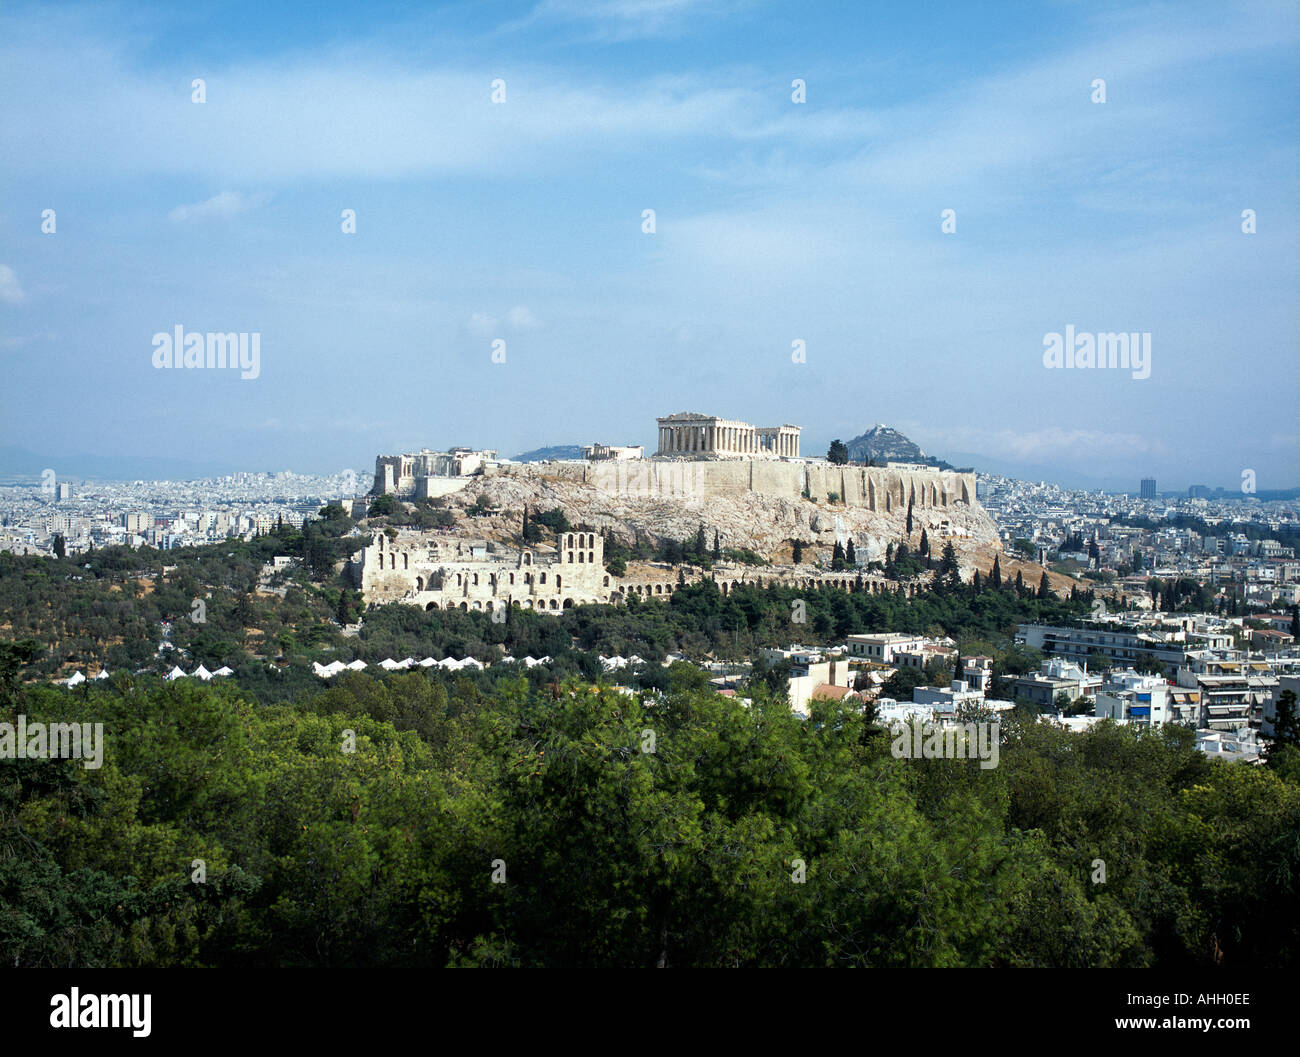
(883, 648)
(1132, 698)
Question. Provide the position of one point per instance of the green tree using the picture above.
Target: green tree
(838, 453)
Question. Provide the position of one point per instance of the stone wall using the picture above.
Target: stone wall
(871, 488)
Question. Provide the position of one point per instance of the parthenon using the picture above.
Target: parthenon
(690, 435)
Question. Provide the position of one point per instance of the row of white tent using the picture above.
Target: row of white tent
(326, 671)
(199, 673)
(176, 673)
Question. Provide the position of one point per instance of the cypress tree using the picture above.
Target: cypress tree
(996, 575)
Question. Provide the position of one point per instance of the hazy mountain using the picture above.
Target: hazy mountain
(553, 453)
(883, 443)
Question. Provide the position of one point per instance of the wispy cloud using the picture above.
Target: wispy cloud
(11, 292)
(222, 206)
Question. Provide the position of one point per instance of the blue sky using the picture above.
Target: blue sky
(775, 222)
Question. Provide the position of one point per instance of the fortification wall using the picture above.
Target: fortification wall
(872, 488)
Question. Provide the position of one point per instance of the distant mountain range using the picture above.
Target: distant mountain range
(554, 453)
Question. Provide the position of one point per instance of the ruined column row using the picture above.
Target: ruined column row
(727, 439)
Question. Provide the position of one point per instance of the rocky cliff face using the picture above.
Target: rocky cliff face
(762, 523)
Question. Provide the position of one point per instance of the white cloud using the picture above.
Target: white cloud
(222, 206)
(1052, 444)
(484, 326)
(521, 318)
(10, 291)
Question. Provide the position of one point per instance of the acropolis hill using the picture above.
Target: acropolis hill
(759, 499)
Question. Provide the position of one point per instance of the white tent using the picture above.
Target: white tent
(388, 664)
(470, 662)
(76, 680)
(428, 662)
(175, 673)
(103, 674)
(202, 673)
(357, 665)
(223, 671)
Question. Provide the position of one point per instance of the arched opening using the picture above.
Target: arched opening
(431, 605)
(568, 603)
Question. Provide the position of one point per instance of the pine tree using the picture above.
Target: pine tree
(948, 561)
(700, 544)
(996, 575)
(925, 544)
(717, 546)
(1020, 583)
(60, 547)
(796, 555)
(837, 556)
(976, 583)
(1286, 727)
(850, 555)
(1044, 587)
